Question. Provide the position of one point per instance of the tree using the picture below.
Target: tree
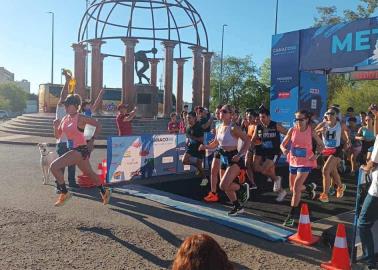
(14, 96)
(328, 15)
(359, 95)
(240, 86)
(265, 72)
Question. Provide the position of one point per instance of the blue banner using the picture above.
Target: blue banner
(313, 93)
(285, 73)
(341, 45)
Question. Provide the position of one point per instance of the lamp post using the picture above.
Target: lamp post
(86, 35)
(275, 25)
(221, 71)
(52, 46)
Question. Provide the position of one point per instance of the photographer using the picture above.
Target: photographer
(369, 213)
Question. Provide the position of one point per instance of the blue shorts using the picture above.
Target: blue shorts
(295, 170)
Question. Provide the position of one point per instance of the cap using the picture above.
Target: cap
(74, 99)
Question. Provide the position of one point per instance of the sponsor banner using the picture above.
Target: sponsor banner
(346, 44)
(285, 66)
(364, 75)
(181, 147)
(165, 154)
(313, 93)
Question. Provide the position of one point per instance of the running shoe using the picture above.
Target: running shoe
(62, 199)
(277, 184)
(204, 182)
(323, 198)
(281, 195)
(243, 193)
(211, 197)
(106, 196)
(340, 191)
(331, 191)
(252, 186)
(289, 221)
(310, 188)
(236, 210)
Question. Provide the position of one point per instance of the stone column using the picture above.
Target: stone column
(168, 76)
(206, 78)
(80, 55)
(197, 75)
(123, 96)
(129, 96)
(154, 62)
(180, 85)
(96, 77)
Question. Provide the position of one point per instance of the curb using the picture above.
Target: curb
(50, 144)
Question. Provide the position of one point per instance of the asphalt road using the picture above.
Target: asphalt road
(130, 233)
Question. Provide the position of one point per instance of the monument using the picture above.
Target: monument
(99, 26)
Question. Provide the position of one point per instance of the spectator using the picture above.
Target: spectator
(356, 144)
(362, 118)
(183, 122)
(349, 114)
(186, 108)
(204, 119)
(124, 119)
(200, 252)
(87, 108)
(173, 125)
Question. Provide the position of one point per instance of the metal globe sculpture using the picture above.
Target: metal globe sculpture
(153, 24)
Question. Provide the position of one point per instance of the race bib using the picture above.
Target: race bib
(299, 152)
(224, 160)
(267, 145)
(70, 144)
(330, 143)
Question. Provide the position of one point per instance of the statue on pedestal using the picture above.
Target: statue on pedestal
(141, 56)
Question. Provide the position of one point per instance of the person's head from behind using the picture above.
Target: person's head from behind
(352, 122)
(350, 112)
(186, 108)
(72, 103)
(173, 117)
(264, 115)
(85, 106)
(192, 118)
(201, 251)
(122, 108)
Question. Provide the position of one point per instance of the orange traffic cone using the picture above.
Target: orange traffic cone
(340, 254)
(304, 235)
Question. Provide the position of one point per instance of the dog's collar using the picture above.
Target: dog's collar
(45, 155)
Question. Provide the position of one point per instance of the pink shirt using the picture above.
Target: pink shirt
(69, 127)
(301, 148)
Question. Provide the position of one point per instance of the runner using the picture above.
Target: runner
(356, 144)
(193, 156)
(267, 150)
(332, 132)
(301, 161)
(231, 160)
(212, 196)
(252, 123)
(366, 136)
(72, 125)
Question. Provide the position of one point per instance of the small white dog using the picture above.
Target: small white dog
(47, 157)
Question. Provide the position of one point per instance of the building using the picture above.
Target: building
(8, 77)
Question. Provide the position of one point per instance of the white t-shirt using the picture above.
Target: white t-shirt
(373, 190)
(60, 113)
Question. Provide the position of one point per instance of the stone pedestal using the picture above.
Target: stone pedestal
(146, 99)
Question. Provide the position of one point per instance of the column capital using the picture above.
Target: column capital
(196, 48)
(79, 47)
(207, 55)
(169, 43)
(180, 61)
(154, 60)
(130, 42)
(96, 43)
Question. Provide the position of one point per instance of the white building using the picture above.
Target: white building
(6, 77)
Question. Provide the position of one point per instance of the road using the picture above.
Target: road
(130, 233)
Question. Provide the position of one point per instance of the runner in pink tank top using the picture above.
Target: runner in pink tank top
(301, 160)
(72, 125)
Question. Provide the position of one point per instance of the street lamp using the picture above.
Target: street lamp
(275, 25)
(86, 55)
(52, 46)
(221, 71)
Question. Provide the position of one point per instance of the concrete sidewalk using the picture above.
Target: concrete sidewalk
(20, 139)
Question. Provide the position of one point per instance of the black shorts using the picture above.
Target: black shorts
(337, 154)
(83, 150)
(216, 153)
(193, 151)
(265, 156)
(226, 159)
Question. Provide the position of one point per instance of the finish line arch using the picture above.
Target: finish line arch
(301, 60)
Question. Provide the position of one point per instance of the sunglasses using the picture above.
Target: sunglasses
(224, 111)
(299, 119)
(330, 113)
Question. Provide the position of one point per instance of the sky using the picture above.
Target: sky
(25, 40)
